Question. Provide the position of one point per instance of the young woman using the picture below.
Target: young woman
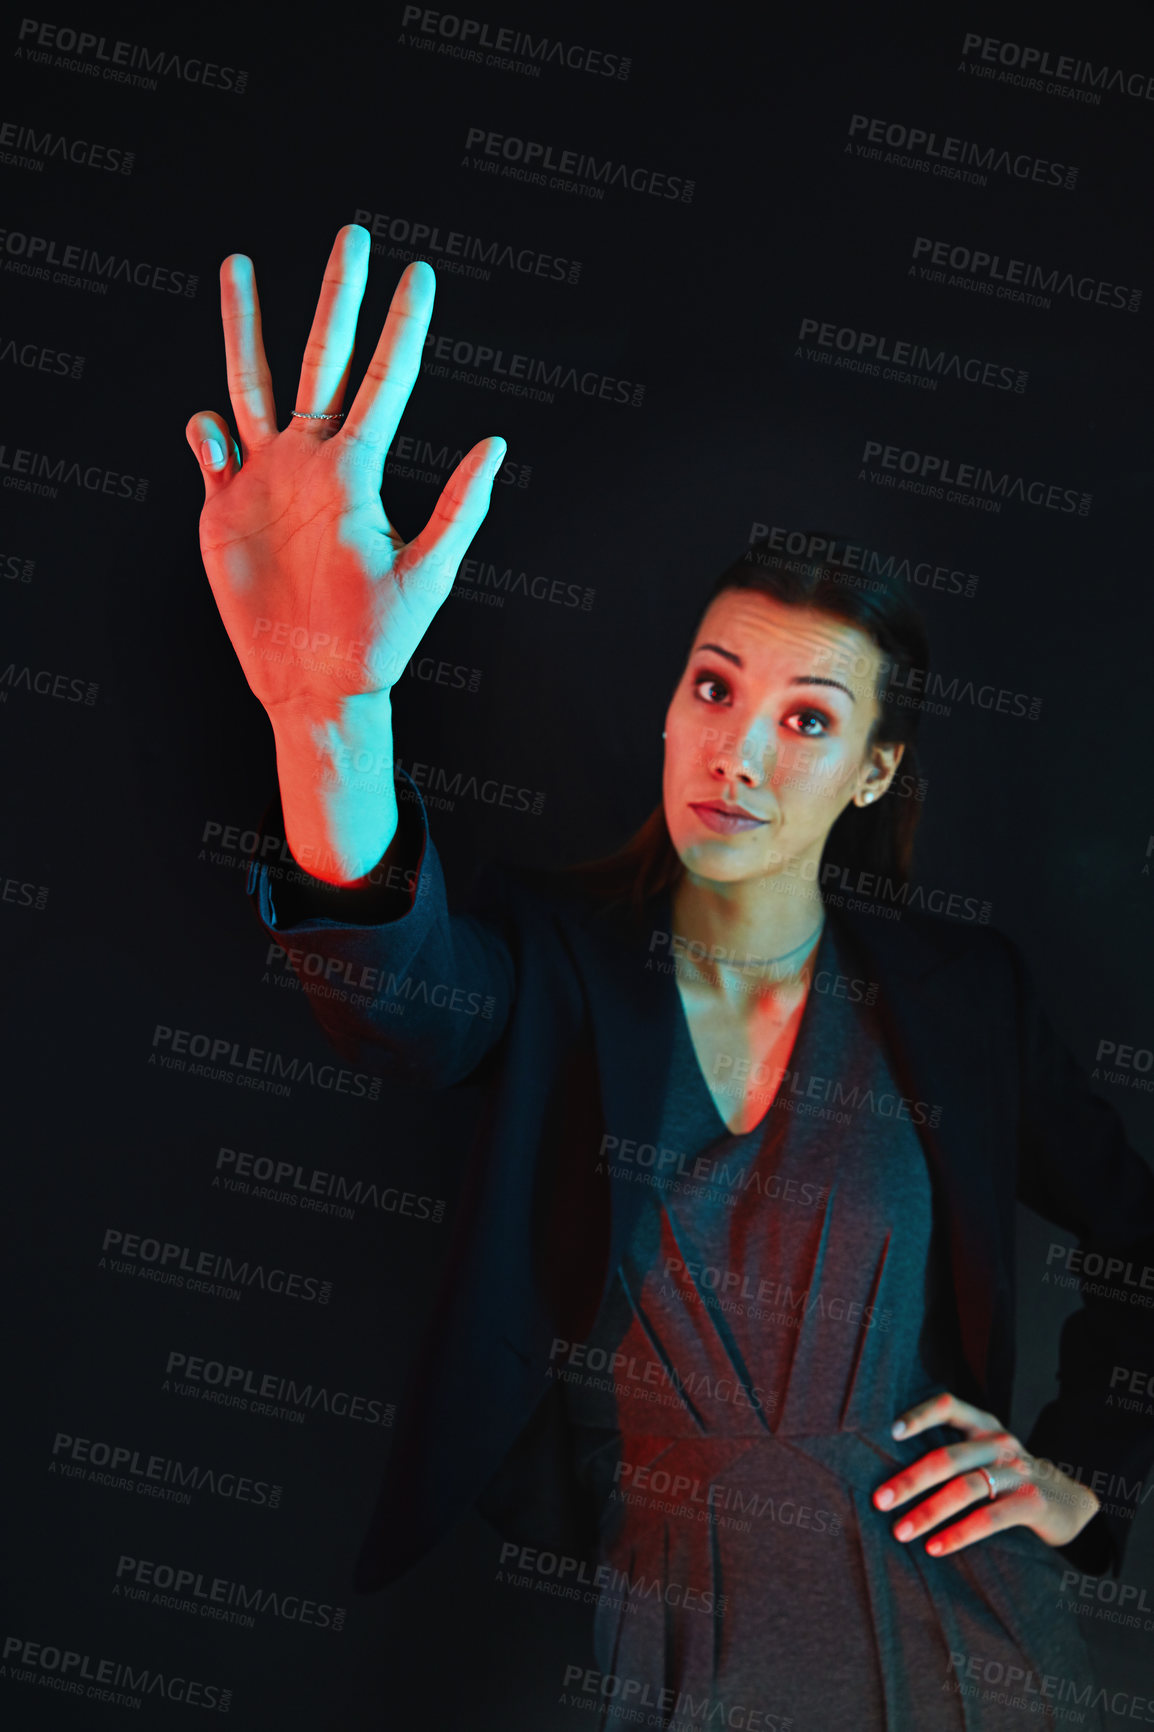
(730, 1310)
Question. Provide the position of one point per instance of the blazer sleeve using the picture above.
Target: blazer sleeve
(401, 986)
(1077, 1169)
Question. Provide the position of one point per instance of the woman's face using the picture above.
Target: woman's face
(772, 715)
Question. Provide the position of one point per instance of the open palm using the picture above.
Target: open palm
(322, 598)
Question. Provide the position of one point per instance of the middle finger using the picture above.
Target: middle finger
(329, 348)
(938, 1465)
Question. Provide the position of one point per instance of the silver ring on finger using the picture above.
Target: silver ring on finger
(989, 1479)
(307, 415)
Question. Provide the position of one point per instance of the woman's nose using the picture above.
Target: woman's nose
(748, 759)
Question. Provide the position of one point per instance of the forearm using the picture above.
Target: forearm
(336, 788)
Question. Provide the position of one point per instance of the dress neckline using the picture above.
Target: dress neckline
(819, 958)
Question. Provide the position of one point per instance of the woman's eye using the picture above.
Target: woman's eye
(709, 680)
(802, 722)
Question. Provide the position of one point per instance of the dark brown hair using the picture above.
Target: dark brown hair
(877, 838)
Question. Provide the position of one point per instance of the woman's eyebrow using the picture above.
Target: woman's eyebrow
(798, 679)
(728, 654)
(820, 680)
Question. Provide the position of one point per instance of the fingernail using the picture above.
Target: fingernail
(884, 1499)
(903, 1530)
(933, 1547)
(897, 1429)
(211, 453)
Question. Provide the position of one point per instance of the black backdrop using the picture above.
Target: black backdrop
(789, 227)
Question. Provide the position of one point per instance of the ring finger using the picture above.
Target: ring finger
(958, 1494)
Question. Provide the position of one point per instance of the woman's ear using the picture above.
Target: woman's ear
(883, 764)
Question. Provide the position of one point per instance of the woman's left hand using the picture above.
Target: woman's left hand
(1029, 1491)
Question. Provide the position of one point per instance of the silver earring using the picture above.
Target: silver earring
(663, 733)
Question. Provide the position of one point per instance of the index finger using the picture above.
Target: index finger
(249, 379)
(392, 372)
(953, 1461)
(943, 1409)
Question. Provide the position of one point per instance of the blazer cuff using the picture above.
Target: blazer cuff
(286, 895)
(1113, 1461)
(1098, 1550)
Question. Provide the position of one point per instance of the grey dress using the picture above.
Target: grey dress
(781, 1302)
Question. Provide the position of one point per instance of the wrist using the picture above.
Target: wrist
(335, 773)
(1093, 1503)
(1082, 1502)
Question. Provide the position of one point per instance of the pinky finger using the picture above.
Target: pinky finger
(458, 513)
(214, 448)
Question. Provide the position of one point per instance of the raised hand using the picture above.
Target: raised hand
(323, 599)
(295, 540)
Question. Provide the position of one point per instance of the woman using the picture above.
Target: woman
(680, 1305)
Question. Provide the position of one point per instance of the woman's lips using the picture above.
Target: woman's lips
(725, 824)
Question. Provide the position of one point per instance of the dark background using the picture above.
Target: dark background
(117, 915)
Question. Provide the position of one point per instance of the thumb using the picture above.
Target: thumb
(214, 448)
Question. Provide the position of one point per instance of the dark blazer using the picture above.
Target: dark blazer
(554, 1002)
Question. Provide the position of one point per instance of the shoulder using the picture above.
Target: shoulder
(919, 942)
(529, 893)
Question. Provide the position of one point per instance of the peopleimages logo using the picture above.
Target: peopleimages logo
(369, 984)
(419, 459)
(1016, 63)
(938, 473)
(39, 358)
(157, 1476)
(482, 576)
(185, 1589)
(120, 1682)
(47, 684)
(25, 147)
(529, 159)
(267, 1393)
(173, 1262)
(770, 541)
(640, 1702)
(83, 267)
(506, 48)
(454, 250)
(1013, 279)
(228, 1061)
(119, 62)
(869, 351)
(36, 472)
(513, 374)
(954, 158)
(316, 1191)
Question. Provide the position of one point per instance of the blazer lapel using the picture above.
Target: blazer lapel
(634, 1001)
(934, 1020)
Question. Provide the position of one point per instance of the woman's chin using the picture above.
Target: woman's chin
(723, 860)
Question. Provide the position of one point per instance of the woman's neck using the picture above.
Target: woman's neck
(738, 935)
